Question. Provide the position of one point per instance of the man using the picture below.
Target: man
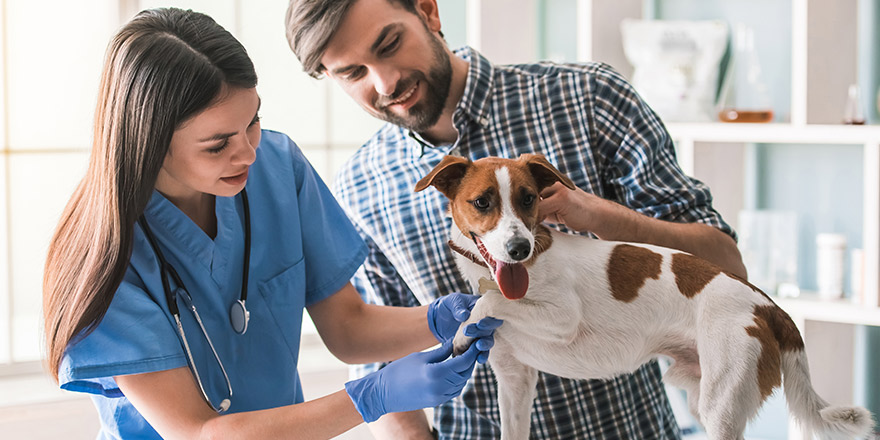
(390, 57)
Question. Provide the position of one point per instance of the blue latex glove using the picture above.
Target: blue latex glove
(484, 332)
(445, 314)
(417, 381)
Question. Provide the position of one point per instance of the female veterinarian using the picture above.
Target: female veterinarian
(177, 277)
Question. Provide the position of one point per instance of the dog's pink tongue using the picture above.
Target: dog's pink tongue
(513, 279)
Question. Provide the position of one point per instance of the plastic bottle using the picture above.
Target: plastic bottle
(830, 251)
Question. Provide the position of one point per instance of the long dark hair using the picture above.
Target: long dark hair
(162, 68)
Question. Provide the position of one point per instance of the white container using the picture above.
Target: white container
(830, 252)
(857, 275)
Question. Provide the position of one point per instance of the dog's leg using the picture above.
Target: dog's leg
(516, 392)
(729, 391)
(685, 373)
(682, 376)
(460, 342)
(486, 305)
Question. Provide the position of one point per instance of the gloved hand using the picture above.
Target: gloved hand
(417, 381)
(483, 333)
(445, 314)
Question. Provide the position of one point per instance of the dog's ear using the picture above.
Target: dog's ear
(544, 172)
(446, 175)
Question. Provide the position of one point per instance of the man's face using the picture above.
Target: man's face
(391, 62)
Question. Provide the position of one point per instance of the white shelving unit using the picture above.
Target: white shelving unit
(823, 33)
(827, 326)
(688, 135)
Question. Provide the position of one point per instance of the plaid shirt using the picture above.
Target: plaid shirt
(587, 120)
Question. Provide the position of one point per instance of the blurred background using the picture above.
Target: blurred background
(772, 103)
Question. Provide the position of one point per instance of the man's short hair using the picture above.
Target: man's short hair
(311, 24)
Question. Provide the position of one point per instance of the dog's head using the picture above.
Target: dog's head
(494, 202)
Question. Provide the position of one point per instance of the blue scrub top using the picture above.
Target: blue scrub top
(304, 249)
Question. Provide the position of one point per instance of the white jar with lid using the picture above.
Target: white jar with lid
(830, 252)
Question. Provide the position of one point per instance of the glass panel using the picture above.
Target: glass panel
(5, 329)
(3, 83)
(823, 184)
(349, 123)
(453, 20)
(293, 102)
(32, 225)
(54, 60)
(557, 30)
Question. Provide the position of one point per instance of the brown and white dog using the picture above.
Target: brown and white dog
(583, 308)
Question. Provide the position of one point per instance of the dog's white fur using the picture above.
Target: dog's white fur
(570, 323)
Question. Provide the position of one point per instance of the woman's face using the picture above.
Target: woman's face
(211, 152)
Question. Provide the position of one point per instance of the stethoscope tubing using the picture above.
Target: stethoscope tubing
(239, 314)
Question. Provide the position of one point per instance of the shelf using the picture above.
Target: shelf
(775, 133)
(808, 307)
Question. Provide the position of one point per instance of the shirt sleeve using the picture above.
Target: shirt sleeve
(135, 336)
(332, 248)
(641, 170)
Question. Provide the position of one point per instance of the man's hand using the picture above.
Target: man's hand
(585, 212)
(576, 209)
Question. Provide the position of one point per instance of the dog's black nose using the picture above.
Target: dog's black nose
(518, 248)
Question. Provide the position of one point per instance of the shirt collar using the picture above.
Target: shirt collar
(474, 102)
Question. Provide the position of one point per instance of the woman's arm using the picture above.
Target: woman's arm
(171, 401)
(358, 333)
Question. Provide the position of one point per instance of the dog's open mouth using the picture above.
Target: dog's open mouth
(512, 278)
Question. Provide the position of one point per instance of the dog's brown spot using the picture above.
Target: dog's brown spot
(692, 273)
(628, 269)
(769, 373)
(777, 333)
(783, 327)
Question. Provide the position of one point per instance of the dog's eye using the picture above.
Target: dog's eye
(528, 200)
(481, 203)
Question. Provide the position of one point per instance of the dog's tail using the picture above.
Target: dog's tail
(811, 411)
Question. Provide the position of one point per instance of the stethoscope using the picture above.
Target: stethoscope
(238, 313)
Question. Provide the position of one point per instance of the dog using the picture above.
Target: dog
(584, 308)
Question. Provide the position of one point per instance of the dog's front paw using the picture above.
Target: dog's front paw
(461, 343)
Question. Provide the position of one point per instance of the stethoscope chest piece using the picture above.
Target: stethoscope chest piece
(239, 317)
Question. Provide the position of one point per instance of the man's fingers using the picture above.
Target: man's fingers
(552, 189)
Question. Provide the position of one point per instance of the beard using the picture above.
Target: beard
(424, 114)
